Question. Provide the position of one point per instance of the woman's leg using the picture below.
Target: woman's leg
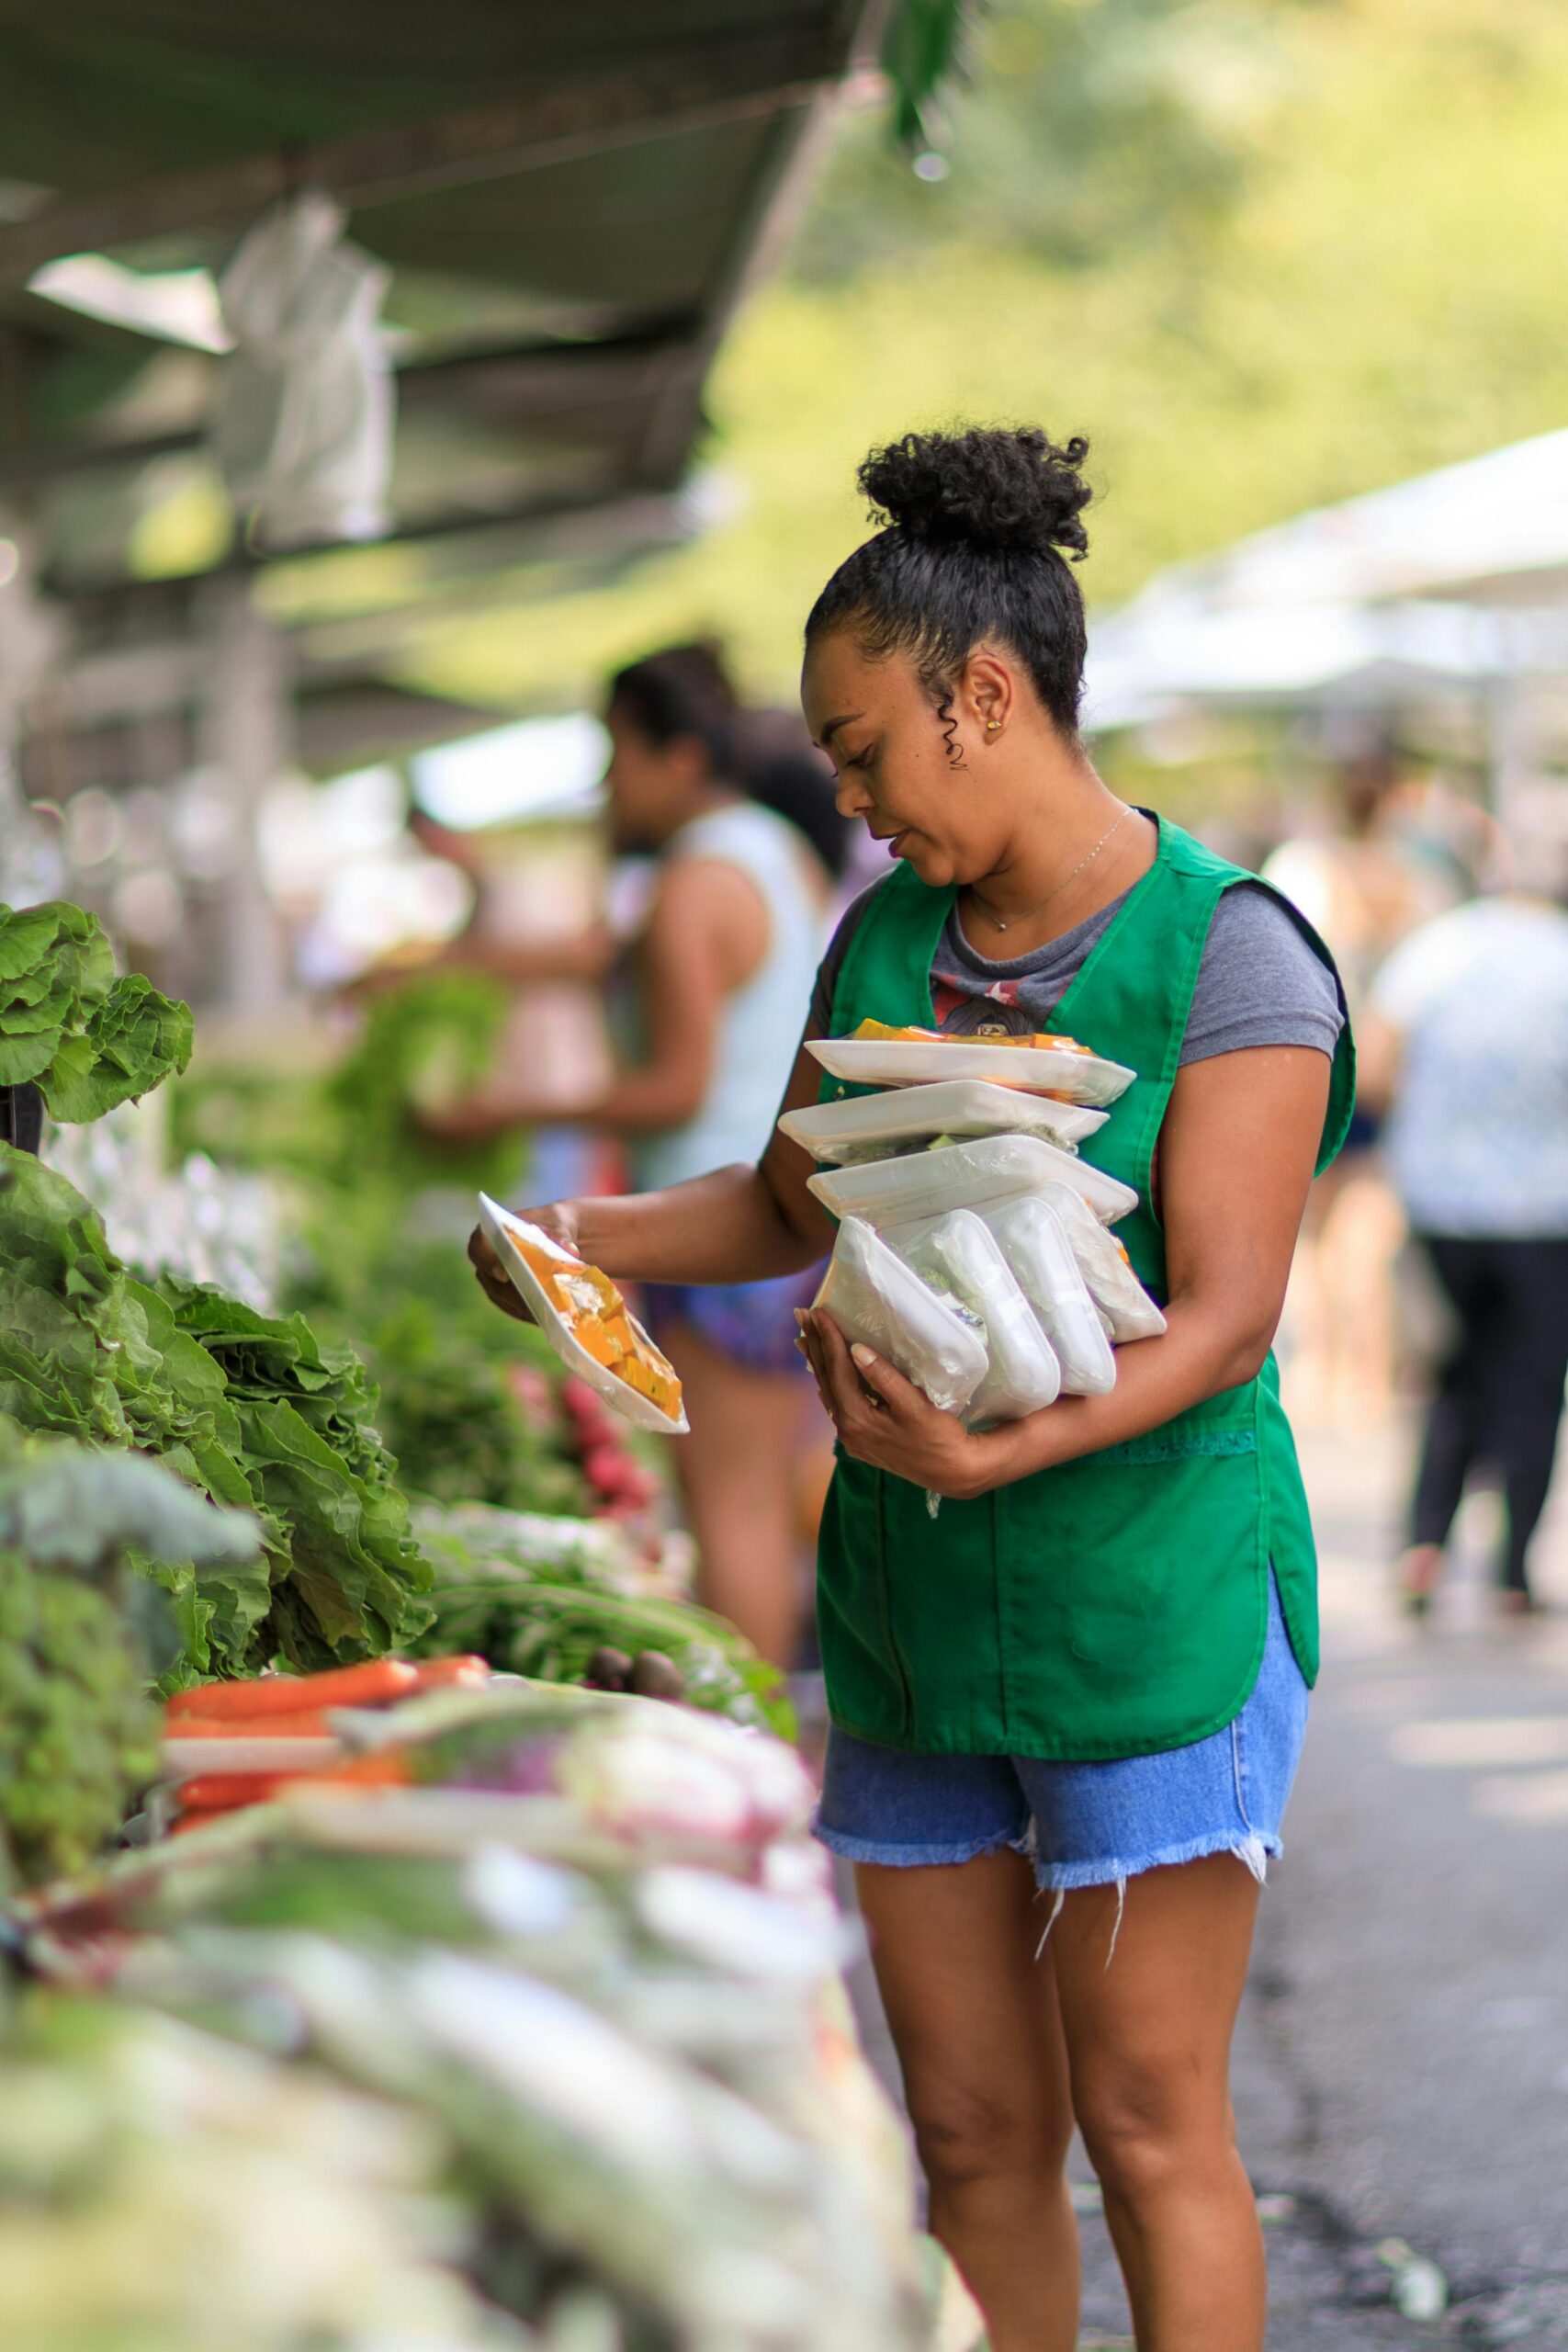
(1452, 1434)
(737, 1471)
(974, 2021)
(1148, 2030)
(1527, 1395)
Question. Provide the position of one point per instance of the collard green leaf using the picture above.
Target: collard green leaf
(88, 1040)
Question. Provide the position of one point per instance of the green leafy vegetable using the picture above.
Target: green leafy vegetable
(84, 1038)
(248, 1407)
(426, 1043)
(545, 1616)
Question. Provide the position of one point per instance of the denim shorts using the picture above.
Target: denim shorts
(1081, 1824)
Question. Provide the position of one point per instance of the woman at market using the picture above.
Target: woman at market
(1067, 1704)
(722, 953)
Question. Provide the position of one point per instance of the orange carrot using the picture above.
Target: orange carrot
(311, 1725)
(371, 1685)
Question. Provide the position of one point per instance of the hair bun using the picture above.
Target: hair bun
(994, 486)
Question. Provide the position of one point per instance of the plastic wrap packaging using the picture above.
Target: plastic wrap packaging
(573, 1303)
(878, 1302)
(959, 1258)
(877, 1126)
(1035, 1243)
(1125, 1308)
(1043, 1065)
(964, 1176)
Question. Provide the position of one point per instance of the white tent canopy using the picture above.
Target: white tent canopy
(1456, 580)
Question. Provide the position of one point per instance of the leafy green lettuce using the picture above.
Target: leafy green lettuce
(247, 1407)
(84, 1038)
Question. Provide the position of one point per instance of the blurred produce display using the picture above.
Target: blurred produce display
(78, 1639)
(161, 2187)
(589, 1952)
(487, 1995)
(586, 1611)
(429, 1039)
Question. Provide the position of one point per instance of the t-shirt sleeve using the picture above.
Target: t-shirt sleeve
(1261, 983)
(826, 986)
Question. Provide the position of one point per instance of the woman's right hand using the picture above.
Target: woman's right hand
(560, 1221)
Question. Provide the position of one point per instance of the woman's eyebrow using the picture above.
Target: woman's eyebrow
(847, 719)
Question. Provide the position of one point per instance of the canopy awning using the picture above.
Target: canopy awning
(571, 200)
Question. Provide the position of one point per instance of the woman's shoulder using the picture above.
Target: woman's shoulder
(1262, 981)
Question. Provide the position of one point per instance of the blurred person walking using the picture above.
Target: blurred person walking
(1468, 1045)
(1364, 883)
(726, 946)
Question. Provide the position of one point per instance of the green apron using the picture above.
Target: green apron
(1116, 1605)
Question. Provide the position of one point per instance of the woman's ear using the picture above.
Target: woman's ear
(990, 695)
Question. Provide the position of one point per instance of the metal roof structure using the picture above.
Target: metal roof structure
(571, 202)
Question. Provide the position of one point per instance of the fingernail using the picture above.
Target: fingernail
(800, 1318)
(862, 1355)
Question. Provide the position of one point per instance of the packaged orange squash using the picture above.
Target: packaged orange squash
(587, 1322)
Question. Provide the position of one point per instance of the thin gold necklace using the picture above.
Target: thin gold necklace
(999, 923)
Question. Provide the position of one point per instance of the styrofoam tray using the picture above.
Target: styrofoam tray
(1041, 1070)
(965, 1176)
(950, 1106)
(500, 1226)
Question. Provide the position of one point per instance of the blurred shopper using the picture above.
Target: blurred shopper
(727, 943)
(1364, 884)
(1468, 1047)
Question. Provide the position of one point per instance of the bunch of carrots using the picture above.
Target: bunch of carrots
(283, 1707)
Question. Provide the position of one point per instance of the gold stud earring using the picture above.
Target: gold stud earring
(992, 725)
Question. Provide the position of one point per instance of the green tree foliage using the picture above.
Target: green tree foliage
(1266, 255)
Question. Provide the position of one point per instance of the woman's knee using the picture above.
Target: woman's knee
(1147, 2135)
(965, 2136)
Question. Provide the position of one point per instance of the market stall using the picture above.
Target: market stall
(408, 1910)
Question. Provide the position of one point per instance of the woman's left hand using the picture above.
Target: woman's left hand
(885, 1422)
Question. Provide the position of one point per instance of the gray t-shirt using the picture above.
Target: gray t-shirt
(1260, 981)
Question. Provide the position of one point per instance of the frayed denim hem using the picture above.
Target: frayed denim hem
(1256, 1851)
(904, 1858)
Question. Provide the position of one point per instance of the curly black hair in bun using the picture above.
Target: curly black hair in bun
(974, 529)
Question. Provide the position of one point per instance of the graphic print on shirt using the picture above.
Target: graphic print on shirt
(961, 1014)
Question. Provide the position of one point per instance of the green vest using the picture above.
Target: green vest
(1116, 1605)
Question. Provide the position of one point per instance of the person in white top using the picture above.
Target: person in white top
(730, 941)
(1468, 1046)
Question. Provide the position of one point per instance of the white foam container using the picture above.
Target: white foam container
(834, 1132)
(500, 1226)
(965, 1176)
(911, 1061)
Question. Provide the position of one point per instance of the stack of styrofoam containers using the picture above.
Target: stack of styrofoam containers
(974, 1248)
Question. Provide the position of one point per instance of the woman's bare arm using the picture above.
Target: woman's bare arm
(1236, 1156)
(706, 933)
(740, 1224)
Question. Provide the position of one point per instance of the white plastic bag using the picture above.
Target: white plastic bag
(304, 428)
(958, 1257)
(875, 1126)
(1125, 1308)
(878, 1302)
(964, 1176)
(1036, 1244)
(1061, 1068)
